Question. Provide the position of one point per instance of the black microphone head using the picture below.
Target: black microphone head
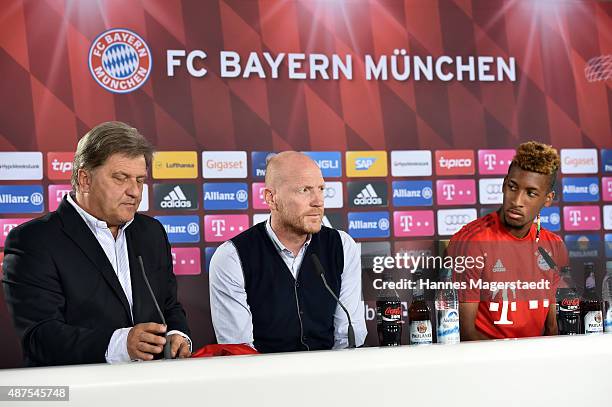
(551, 263)
(317, 264)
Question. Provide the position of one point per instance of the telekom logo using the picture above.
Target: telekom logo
(606, 189)
(406, 222)
(574, 217)
(218, 227)
(490, 161)
(586, 217)
(413, 223)
(7, 227)
(494, 161)
(448, 190)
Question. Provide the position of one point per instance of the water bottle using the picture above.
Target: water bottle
(606, 296)
(447, 310)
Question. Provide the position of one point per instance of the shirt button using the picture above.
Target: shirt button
(297, 284)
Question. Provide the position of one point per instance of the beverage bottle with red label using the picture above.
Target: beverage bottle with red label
(388, 316)
(421, 332)
(568, 305)
(591, 309)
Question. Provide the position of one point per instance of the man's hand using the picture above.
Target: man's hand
(144, 341)
(179, 346)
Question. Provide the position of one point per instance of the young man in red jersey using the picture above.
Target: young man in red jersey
(513, 294)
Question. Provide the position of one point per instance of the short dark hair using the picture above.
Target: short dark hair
(105, 140)
(537, 157)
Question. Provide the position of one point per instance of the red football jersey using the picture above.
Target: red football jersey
(513, 284)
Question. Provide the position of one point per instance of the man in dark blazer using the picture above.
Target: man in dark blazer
(72, 278)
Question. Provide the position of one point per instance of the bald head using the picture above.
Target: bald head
(287, 165)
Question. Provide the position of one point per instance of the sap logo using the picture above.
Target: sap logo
(363, 164)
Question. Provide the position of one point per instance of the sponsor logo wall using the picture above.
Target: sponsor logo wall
(194, 210)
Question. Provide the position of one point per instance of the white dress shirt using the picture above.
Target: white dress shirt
(231, 315)
(116, 251)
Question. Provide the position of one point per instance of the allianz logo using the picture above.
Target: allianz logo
(553, 218)
(382, 224)
(413, 193)
(240, 196)
(192, 229)
(367, 196)
(35, 199)
(592, 189)
(176, 199)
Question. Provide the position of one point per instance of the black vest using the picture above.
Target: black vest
(289, 314)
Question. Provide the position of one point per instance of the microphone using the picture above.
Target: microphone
(167, 347)
(321, 272)
(551, 263)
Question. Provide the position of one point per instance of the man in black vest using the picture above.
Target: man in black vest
(264, 289)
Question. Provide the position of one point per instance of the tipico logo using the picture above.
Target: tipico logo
(120, 60)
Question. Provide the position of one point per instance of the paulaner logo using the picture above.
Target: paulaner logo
(120, 60)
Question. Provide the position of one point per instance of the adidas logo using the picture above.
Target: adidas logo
(498, 267)
(176, 199)
(367, 196)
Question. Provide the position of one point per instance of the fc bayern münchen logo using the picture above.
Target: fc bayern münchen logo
(120, 60)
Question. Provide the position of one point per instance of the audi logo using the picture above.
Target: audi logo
(456, 219)
(494, 189)
(329, 192)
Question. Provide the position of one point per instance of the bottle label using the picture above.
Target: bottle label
(448, 326)
(593, 323)
(420, 333)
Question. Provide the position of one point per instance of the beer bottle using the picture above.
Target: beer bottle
(591, 309)
(421, 332)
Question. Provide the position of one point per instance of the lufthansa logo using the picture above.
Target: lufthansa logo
(456, 219)
(120, 60)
